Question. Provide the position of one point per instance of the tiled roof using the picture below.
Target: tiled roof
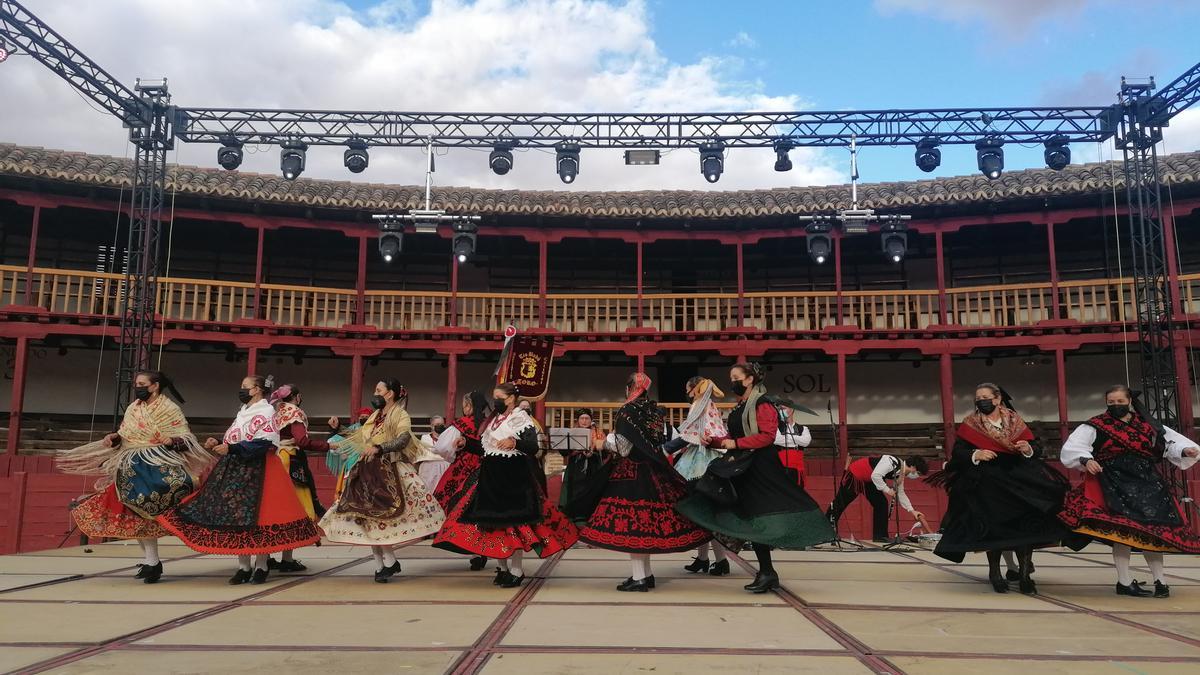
(104, 171)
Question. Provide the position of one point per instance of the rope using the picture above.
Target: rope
(1194, 378)
(162, 333)
(113, 256)
(1112, 181)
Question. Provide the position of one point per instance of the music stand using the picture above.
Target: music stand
(566, 440)
(837, 540)
(896, 544)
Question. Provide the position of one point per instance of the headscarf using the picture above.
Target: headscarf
(641, 384)
(750, 411)
(280, 394)
(703, 418)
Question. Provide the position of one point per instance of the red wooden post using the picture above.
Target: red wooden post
(258, 275)
(1187, 422)
(33, 238)
(360, 313)
(946, 379)
(641, 363)
(356, 385)
(943, 315)
(1172, 268)
(453, 291)
(1053, 270)
(843, 428)
(741, 285)
(451, 385)
(252, 361)
(16, 405)
(16, 511)
(837, 273)
(640, 308)
(543, 249)
(1060, 374)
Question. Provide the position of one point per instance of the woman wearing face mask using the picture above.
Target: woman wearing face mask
(146, 467)
(506, 512)
(1002, 496)
(636, 512)
(248, 507)
(385, 503)
(294, 444)
(1124, 500)
(463, 438)
(703, 421)
(766, 506)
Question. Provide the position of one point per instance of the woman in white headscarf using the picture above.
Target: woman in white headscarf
(703, 420)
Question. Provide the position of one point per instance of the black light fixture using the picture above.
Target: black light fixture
(229, 155)
(291, 159)
(464, 241)
(990, 152)
(895, 241)
(712, 160)
(928, 157)
(501, 159)
(640, 157)
(356, 158)
(1057, 154)
(567, 161)
(819, 241)
(782, 161)
(390, 244)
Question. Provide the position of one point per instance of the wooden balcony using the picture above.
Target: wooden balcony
(97, 294)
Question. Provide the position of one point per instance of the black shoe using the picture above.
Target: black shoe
(382, 575)
(697, 566)
(631, 585)
(1012, 575)
(999, 584)
(273, 564)
(478, 562)
(719, 569)
(240, 577)
(502, 575)
(150, 573)
(1161, 590)
(259, 576)
(512, 581)
(1028, 587)
(1133, 590)
(289, 566)
(763, 583)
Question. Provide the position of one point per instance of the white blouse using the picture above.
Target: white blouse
(1077, 449)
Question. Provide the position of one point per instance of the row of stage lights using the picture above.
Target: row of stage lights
(928, 157)
(892, 236)
(391, 241)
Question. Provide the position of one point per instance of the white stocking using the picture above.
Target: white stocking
(377, 553)
(288, 555)
(719, 553)
(702, 551)
(150, 551)
(389, 556)
(260, 561)
(1010, 561)
(641, 566)
(514, 563)
(244, 562)
(1121, 560)
(1155, 560)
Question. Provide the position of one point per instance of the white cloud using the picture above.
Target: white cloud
(489, 55)
(743, 39)
(1016, 16)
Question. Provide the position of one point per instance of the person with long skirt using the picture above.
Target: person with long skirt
(1124, 500)
(464, 436)
(1002, 496)
(506, 512)
(248, 506)
(384, 503)
(764, 505)
(146, 467)
(294, 445)
(636, 511)
(703, 420)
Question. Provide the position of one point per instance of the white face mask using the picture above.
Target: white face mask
(913, 475)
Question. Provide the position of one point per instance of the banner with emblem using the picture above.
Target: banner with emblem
(526, 363)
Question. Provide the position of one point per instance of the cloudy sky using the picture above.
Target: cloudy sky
(594, 56)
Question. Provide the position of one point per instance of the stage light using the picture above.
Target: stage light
(895, 241)
(567, 161)
(389, 245)
(464, 241)
(990, 152)
(3, 53)
(782, 161)
(1058, 154)
(712, 160)
(356, 158)
(642, 157)
(820, 244)
(291, 159)
(229, 155)
(928, 157)
(501, 159)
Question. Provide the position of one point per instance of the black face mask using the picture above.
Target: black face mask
(377, 402)
(986, 406)
(439, 428)
(1118, 411)
(244, 396)
(738, 388)
(141, 393)
(499, 405)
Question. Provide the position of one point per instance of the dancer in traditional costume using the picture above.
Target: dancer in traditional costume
(339, 460)
(792, 438)
(147, 467)
(248, 506)
(868, 476)
(1124, 500)
(703, 421)
(636, 511)
(746, 494)
(385, 503)
(506, 512)
(1002, 495)
(463, 437)
(294, 445)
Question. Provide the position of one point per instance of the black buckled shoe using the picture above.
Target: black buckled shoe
(697, 566)
(144, 569)
(512, 581)
(1161, 590)
(719, 569)
(1028, 587)
(763, 583)
(478, 562)
(1012, 575)
(259, 576)
(240, 577)
(382, 576)
(1133, 590)
(632, 585)
(273, 564)
(150, 574)
(999, 584)
(502, 575)
(289, 566)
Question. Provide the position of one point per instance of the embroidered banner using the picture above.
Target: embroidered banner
(528, 365)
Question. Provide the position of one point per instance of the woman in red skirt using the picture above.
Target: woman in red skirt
(463, 473)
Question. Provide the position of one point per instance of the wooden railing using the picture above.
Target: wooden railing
(78, 292)
(564, 414)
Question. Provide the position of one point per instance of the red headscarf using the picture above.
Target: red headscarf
(641, 384)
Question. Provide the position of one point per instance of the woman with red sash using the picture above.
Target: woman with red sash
(464, 435)
(1002, 496)
(1124, 500)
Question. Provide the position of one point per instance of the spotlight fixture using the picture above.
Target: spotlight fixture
(642, 157)
(3, 53)
(291, 159)
(712, 160)
(928, 157)
(782, 161)
(356, 158)
(1058, 154)
(567, 161)
(229, 155)
(894, 238)
(990, 152)
(820, 244)
(464, 241)
(389, 245)
(501, 159)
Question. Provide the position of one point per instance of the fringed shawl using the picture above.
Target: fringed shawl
(254, 422)
(285, 415)
(381, 428)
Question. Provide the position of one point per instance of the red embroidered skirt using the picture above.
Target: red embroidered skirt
(552, 534)
(104, 516)
(462, 475)
(1085, 512)
(637, 512)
